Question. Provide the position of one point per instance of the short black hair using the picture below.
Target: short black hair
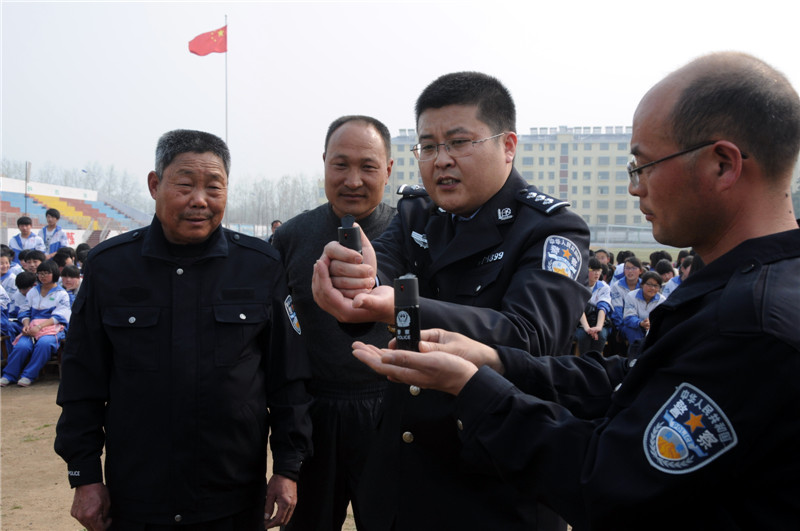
(53, 212)
(25, 279)
(51, 267)
(594, 264)
(173, 143)
(5, 250)
(35, 254)
(382, 130)
(664, 266)
(24, 220)
(652, 275)
(495, 105)
(71, 271)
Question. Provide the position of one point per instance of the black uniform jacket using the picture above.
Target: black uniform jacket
(513, 274)
(698, 432)
(181, 366)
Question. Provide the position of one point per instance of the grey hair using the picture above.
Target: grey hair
(173, 143)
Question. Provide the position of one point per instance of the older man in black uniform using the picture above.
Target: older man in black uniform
(183, 354)
(496, 260)
(699, 429)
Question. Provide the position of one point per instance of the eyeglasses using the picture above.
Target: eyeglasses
(456, 147)
(651, 285)
(634, 170)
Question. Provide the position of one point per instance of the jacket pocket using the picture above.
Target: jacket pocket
(237, 328)
(133, 332)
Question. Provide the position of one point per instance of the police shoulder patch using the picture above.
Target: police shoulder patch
(412, 190)
(541, 202)
(289, 306)
(688, 432)
(561, 256)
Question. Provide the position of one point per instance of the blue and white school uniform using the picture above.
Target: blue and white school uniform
(8, 281)
(637, 310)
(619, 290)
(56, 305)
(671, 285)
(55, 240)
(33, 241)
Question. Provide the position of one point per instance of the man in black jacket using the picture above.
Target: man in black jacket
(347, 395)
(184, 352)
(496, 259)
(699, 426)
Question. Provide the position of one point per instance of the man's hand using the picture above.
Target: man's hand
(431, 370)
(342, 275)
(281, 500)
(91, 505)
(436, 339)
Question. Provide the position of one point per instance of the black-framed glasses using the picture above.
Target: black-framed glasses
(456, 147)
(634, 170)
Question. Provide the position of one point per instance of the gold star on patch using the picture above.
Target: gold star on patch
(695, 421)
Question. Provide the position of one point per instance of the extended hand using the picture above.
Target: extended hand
(431, 370)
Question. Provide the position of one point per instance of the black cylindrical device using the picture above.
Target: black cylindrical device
(406, 312)
(350, 236)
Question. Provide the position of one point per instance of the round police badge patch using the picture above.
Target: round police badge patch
(561, 256)
(292, 314)
(688, 432)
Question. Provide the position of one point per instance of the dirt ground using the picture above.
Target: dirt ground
(33, 479)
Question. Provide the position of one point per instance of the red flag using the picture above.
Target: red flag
(213, 41)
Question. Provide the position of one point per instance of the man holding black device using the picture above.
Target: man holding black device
(347, 395)
(496, 259)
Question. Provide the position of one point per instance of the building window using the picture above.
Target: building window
(637, 220)
(602, 204)
(527, 161)
(602, 190)
(551, 176)
(620, 219)
(587, 147)
(604, 161)
(622, 161)
(587, 176)
(586, 204)
(574, 190)
(551, 190)
(574, 161)
(551, 160)
(552, 147)
(528, 147)
(527, 175)
(621, 176)
(587, 190)
(602, 219)
(587, 161)
(541, 161)
(604, 175)
(620, 204)
(603, 146)
(622, 146)
(620, 190)
(587, 218)
(401, 175)
(401, 147)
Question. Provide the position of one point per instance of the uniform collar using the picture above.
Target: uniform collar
(155, 244)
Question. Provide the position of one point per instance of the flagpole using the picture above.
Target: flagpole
(226, 81)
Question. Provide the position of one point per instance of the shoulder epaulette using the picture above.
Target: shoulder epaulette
(126, 237)
(412, 190)
(542, 202)
(251, 242)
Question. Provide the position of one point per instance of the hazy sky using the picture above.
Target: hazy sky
(86, 82)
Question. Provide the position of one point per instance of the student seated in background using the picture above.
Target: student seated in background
(32, 261)
(71, 281)
(592, 331)
(638, 305)
(44, 318)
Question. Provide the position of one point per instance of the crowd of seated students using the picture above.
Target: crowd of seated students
(623, 295)
(36, 296)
